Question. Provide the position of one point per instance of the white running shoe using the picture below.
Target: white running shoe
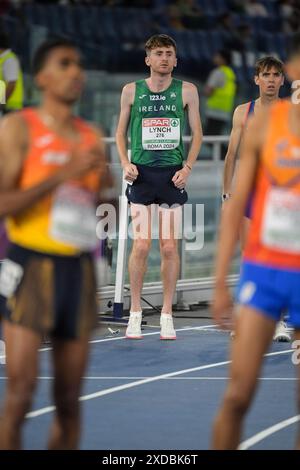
(167, 327)
(134, 326)
(281, 333)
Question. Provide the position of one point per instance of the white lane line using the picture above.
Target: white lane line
(117, 338)
(268, 432)
(169, 378)
(101, 393)
(108, 391)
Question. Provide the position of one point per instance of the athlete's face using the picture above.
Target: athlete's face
(62, 75)
(162, 60)
(269, 82)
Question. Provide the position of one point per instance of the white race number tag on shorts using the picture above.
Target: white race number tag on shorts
(11, 275)
(73, 217)
(281, 222)
(160, 133)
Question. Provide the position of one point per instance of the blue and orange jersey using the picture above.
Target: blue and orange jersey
(274, 238)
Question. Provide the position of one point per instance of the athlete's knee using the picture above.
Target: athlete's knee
(237, 399)
(168, 249)
(67, 404)
(20, 390)
(142, 248)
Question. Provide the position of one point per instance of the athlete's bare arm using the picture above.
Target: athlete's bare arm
(190, 99)
(9, 89)
(232, 217)
(13, 147)
(208, 90)
(234, 142)
(127, 98)
(14, 142)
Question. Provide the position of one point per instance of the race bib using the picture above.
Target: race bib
(11, 275)
(73, 217)
(281, 223)
(160, 133)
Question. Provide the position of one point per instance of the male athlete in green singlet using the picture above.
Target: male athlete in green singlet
(155, 108)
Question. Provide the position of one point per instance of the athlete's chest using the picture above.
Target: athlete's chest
(150, 102)
(51, 150)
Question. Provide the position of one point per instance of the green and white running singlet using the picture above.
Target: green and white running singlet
(156, 125)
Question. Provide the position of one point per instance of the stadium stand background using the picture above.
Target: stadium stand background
(111, 33)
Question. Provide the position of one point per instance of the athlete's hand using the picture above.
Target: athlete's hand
(130, 172)
(222, 307)
(180, 177)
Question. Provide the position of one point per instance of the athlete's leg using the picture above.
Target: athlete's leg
(21, 367)
(254, 333)
(70, 358)
(169, 229)
(141, 225)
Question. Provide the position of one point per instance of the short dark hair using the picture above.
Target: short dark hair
(294, 45)
(43, 51)
(159, 40)
(268, 62)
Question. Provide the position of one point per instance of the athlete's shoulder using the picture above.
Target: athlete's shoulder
(14, 121)
(130, 87)
(128, 93)
(14, 130)
(242, 108)
(189, 92)
(188, 86)
(240, 113)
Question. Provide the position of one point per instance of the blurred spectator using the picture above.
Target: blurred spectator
(286, 8)
(290, 13)
(191, 14)
(254, 8)
(11, 75)
(174, 18)
(246, 38)
(230, 34)
(220, 90)
(293, 24)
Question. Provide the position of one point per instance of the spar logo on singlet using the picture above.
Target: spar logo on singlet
(160, 133)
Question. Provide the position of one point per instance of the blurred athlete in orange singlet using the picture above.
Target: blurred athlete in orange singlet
(49, 191)
(270, 277)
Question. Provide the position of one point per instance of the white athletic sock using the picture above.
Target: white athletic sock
(135, 314)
